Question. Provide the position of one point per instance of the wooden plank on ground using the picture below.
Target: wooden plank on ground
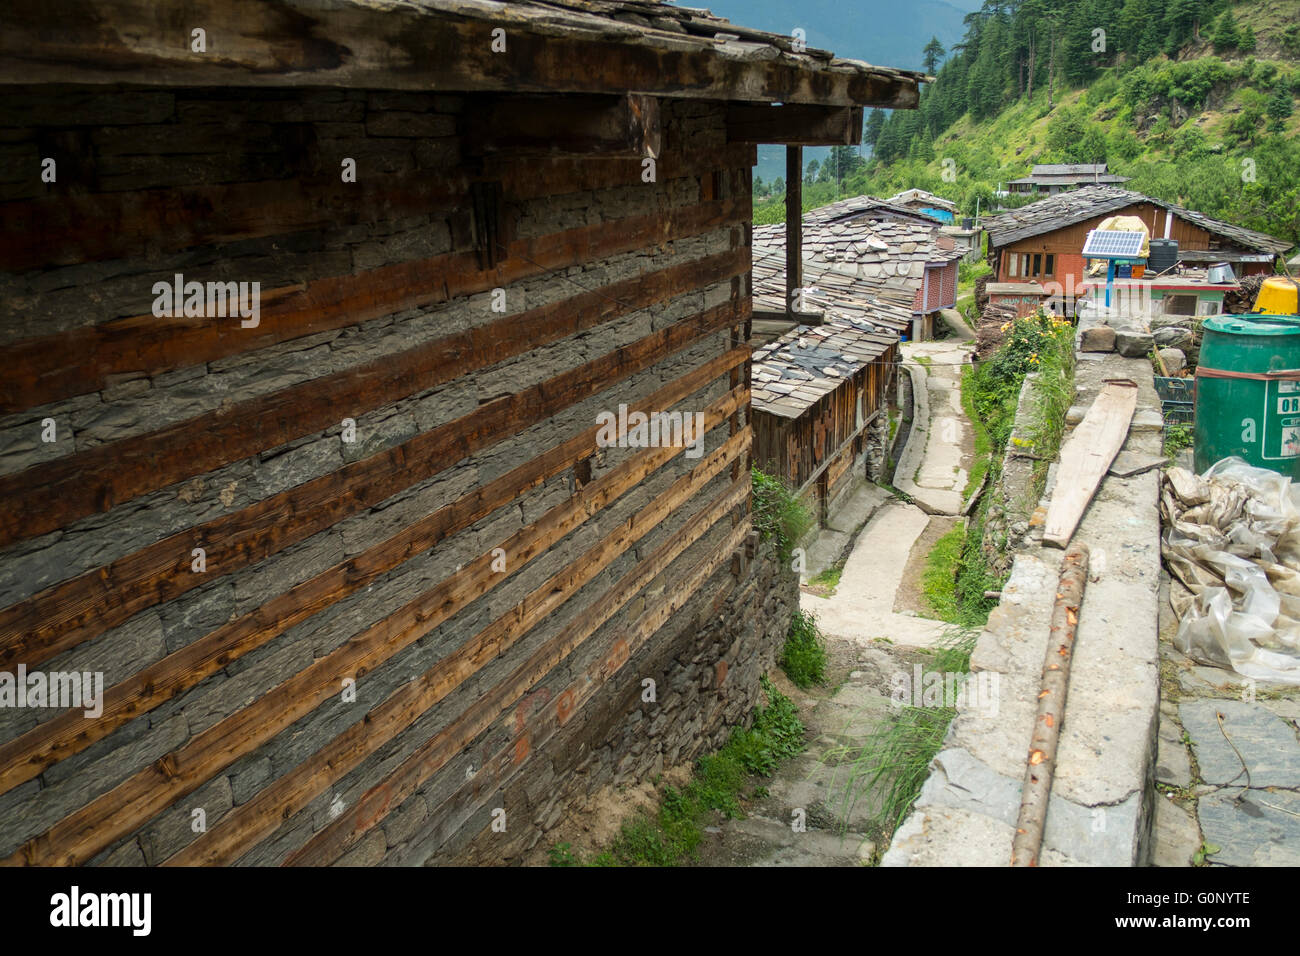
(1086, 456)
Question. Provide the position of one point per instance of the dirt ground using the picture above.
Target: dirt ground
(910, 597)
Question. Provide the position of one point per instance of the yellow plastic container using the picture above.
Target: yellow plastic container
(1279, 295)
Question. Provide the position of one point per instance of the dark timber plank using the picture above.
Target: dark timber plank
(64, 615)
(57, 493)
(123, 809)
(32, 753)
(48, 368)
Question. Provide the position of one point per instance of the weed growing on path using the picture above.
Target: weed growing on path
(804, 657)
(672, 835)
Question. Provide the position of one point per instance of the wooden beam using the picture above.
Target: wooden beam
(69, 229)
(795, 124)
(64, 615)
(448, 47)
(102, 477)
(141, 796)
(793, 226)
(261, 816)
(626, 125)
(340, 835)
(49, 368)
(54, 740)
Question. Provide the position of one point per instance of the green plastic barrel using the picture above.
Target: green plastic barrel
(1248, 392)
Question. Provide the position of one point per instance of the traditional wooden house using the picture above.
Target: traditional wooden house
(819, 398)
(1052, 178)
(887, 258)
(1043, 242)
(308, 333)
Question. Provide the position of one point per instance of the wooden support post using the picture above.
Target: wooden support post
(793, 226)
(1041, 763)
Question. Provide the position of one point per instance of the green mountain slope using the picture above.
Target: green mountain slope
(1203, 108)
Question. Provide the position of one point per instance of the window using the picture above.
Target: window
(1038, 264)
(1013, 260)
(1180, 304)
(1050, 265)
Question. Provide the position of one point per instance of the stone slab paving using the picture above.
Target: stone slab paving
(1101, 810)
(1240, 825)
(933, 467)
(1252, 827)
(862, 608)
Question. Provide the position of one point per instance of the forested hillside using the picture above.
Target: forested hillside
(1194, 100)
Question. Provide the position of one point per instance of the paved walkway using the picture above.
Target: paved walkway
(861, 610)
(933, 467)
(866, 641)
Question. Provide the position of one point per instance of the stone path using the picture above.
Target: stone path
(868, 643)
(933, 467)
(1217, 727)
(861, 611)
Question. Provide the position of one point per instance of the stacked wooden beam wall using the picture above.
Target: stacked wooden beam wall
(394, 636)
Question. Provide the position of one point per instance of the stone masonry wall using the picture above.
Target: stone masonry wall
(228, 692)
(706, 670)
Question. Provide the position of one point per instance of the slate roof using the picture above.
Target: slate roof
(834, 294)
(881, 259)
(920, 195)
(869, 206)
(1067, 174)
(809, 362)
(1064, 209)
(637, 46)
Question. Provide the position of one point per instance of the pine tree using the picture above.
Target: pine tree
(932, 54)
(875, 123)
(1247, 42)
(1225, 36)
(810, 176)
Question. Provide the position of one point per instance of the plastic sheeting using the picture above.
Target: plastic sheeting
(1232, 538)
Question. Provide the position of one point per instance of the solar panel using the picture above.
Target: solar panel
(1111, 244)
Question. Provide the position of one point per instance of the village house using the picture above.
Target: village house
(820, 400)
(1043, 242)
(928, 203)
(889, 258)
(364, 578)
(1052, 178)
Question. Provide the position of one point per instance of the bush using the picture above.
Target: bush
(778, 514)
(804, 657)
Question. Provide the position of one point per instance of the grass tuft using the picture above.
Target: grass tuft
(804, 656)
(672, 835)
(778, 514)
